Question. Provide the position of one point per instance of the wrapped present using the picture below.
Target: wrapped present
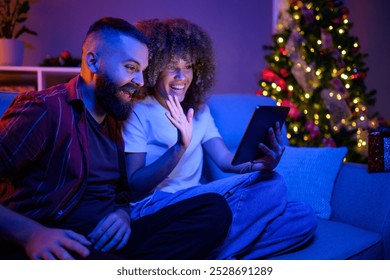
(379, 150)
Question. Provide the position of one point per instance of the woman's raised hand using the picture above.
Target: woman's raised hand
(180, 120)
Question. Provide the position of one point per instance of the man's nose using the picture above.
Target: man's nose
(138, 79)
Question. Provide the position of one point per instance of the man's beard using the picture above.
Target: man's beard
(107, 93)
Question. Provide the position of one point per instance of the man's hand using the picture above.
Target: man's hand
(272, 154)
(112, 232)
(51, 244)
(182, 122)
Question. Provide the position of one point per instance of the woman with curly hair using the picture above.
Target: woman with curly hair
(171, 127)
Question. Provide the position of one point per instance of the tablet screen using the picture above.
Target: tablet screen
(256, 132)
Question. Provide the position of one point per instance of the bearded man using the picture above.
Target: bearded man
(64, 192)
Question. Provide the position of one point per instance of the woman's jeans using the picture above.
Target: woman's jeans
(264, 222)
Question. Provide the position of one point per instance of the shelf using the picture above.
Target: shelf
(42, 77)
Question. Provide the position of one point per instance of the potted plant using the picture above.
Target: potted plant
(13, 14)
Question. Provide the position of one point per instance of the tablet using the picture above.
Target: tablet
(256, 132)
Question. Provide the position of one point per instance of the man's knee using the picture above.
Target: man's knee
(218, 212)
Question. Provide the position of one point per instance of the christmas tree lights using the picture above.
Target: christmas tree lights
(316, 68)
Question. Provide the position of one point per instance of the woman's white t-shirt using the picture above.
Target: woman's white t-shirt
(149, 131)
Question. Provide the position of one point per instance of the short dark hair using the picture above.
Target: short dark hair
(119, 25)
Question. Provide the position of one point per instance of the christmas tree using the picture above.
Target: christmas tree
(316, 68)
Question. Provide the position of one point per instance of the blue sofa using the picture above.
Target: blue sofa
(359, 224)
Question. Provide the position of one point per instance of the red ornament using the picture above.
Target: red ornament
(345, 12)
(313, 129)
(65, 55)
(259, 92)
(294, 111)
(336, 21)
(358, 75)
(329, 142)
(269, 75)
(282, 83)
(284, 72)
(283, 50)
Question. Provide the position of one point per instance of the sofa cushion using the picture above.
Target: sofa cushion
(362, 199)
(339, 241)
(310, 174)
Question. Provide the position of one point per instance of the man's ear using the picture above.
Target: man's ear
(92, 62)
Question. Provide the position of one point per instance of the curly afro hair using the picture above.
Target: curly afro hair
(171, 38)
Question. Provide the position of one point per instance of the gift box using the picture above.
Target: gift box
(379, 150)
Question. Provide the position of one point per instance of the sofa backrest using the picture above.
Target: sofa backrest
(5, 100)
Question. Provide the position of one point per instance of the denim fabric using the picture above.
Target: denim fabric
(264, 222)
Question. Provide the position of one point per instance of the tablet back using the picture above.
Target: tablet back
(256, 132)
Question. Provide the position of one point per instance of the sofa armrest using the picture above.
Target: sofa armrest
(363, 199)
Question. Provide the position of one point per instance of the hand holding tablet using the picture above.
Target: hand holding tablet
(256, 132)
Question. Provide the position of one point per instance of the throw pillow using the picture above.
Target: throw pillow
(310, 174)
